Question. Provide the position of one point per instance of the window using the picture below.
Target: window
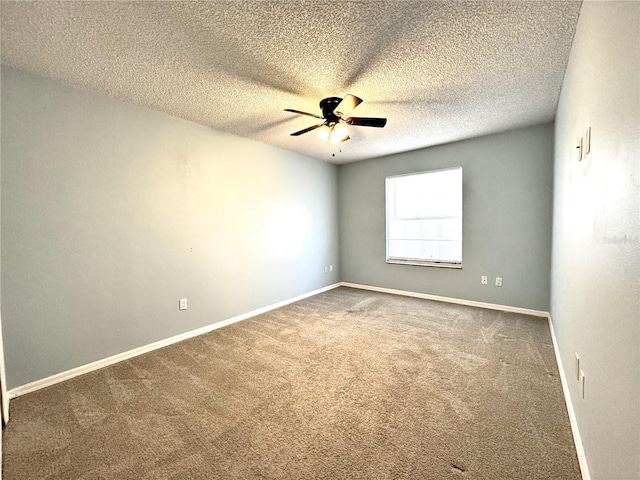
(424, 218)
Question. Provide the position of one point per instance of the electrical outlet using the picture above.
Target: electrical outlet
(182, 305)
(483, 280)
(577, 367)
(326, 270)
(498, 281)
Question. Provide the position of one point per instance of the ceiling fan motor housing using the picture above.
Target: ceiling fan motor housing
(328, 105)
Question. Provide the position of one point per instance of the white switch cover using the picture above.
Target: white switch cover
(586, 146)
(498, 281)
(580, 149)
(183, 304)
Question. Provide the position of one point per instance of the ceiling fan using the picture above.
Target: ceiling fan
(334, 116)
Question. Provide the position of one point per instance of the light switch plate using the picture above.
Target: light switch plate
(580, 149)
(586, 146)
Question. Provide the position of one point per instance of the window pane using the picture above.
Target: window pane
(428, 195)
(426, 250)
(434, 229)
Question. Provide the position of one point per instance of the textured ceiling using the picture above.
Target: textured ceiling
(440, 71)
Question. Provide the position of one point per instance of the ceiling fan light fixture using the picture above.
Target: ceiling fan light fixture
(339, 133)
(324, 132)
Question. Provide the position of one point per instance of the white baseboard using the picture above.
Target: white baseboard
(458, 301)
(582, 459)
(90, 367)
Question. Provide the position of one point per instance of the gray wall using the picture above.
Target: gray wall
(507, 189)
(595, 302)
(112, 212)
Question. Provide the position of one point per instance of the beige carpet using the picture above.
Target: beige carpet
(348, 384)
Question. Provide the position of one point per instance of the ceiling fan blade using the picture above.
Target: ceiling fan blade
(367, 121)
(300, 132)
(348, 103)
(303, 113)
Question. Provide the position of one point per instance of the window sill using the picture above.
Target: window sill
(423, 263)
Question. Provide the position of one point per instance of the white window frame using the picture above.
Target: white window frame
(432, 262)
